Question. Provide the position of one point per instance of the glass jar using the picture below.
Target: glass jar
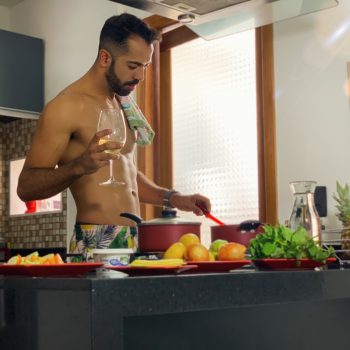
(304, 213)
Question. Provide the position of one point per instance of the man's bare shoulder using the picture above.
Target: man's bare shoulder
(66, 110)
(65, 105)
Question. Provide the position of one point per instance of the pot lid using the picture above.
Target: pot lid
(169, 218)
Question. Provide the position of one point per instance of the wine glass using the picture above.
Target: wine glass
(112, 118)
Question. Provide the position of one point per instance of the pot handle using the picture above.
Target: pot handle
(249, 225)
(132, 217)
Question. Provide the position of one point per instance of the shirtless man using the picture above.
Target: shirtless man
(66, 136)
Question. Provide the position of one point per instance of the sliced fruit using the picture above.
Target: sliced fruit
(35, 259)
(58, 259)
(15, 260)
(32, 257)
(48, 259)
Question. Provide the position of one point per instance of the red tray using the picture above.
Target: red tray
(67, 269)
(290, 264)
(219, 266)
(152, 270)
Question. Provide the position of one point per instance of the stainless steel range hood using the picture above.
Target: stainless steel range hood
(211, 19)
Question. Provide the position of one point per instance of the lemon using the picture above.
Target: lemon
(189, 238)
(175, 251)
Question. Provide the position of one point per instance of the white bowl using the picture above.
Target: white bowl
(112, 257)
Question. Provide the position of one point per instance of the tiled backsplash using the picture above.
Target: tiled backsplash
(29, 230)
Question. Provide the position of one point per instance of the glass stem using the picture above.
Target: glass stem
(111, 170)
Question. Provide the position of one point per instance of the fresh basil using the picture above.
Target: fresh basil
(281, 242)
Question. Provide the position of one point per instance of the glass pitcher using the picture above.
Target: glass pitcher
(304, 212)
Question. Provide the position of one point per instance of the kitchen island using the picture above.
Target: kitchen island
(244, 309)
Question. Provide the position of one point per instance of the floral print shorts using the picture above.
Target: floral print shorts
(91, 236)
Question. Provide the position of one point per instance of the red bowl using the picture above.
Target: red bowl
(234, 233)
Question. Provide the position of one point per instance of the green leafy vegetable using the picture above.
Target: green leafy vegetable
(281, 242)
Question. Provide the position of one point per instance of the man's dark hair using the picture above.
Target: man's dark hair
(118, 29)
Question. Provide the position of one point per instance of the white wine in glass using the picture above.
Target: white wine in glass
(112, 118)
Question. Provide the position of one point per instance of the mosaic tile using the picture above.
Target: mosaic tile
(36, 231)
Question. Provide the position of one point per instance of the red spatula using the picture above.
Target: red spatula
(208, 215)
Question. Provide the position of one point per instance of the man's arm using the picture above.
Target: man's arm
(41, 183)
(151, 193)
(39, 178)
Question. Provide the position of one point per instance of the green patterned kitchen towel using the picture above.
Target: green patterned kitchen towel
(137, 121)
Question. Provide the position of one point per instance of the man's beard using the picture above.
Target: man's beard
(116, 85)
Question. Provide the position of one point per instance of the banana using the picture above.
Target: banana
(155, 263)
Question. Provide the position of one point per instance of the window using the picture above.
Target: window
(18, 207)
(155, 96)
(215, 125)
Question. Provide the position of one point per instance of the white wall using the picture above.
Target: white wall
(4, 18)
(313, 115)
(70, 29)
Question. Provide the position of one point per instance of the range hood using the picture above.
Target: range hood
(216, 18)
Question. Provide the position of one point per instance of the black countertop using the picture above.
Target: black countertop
(248, 309)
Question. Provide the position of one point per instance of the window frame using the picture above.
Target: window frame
(154, 97)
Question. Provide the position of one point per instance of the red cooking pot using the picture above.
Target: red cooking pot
(157, 235)
(241, 233)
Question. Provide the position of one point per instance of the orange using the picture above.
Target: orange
(197, 252)
(175, 251)
(58, 259)
(15, 260)
(188, 239)
(231, 251)
(48, 259)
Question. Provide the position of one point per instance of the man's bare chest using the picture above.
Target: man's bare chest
(85, 131)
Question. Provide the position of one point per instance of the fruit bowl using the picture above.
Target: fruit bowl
(218, 266)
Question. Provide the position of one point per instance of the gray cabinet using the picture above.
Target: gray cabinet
(244, 309)
(21, 72)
